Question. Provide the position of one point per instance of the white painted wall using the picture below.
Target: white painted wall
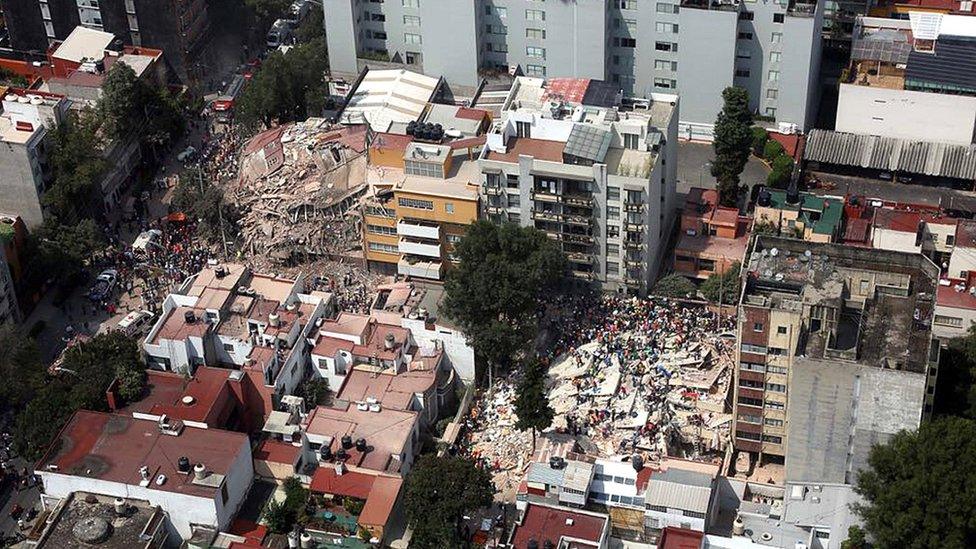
(906, 114)
(942, 328)
(962, 260)
(897, 241)
(456, 348)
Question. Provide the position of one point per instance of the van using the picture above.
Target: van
(279, 34)
(135, 323)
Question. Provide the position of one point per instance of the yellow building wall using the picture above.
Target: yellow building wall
(465, 210)
(379, 238)
(391, 157)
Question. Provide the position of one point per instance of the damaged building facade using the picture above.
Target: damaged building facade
(835, 354)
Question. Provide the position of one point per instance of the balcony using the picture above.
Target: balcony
(578, 220)
(633, 244)
(634, 207)
(635, 227)
(584, 275)
(555, 236)
(634, 263)
(578, 257)
(494, 191)
(544, 196)
(578, 200)
(418, 247)
(577, 238)
(420, 268)
(631, 281)
(494, 209)
(419, 229)
(545, 216)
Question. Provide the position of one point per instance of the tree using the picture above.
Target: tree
(759, 140)
(276, 517)
(439, 492)
(532, 401)
(63, 250)
(772, 150)
(676, 286)
(266, 10)
(288, 87)
(199, 198)
(781, 173)
(855, 539)
(314, 390)
(917, 489)
(122, 97)
(493, 294)
(20, 367)
(313, 26)
(733, 141)
(723, 287)
(955, 389)
(77, 167)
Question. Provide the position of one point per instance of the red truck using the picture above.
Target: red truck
(223, 106)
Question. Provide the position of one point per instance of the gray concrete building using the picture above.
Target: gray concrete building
(694, 48)
(835, 354)
(565, 159)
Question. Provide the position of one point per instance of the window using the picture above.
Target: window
(667, 8)
(449, 207)
(500, 11)
(755, 349)
(631, 25)
(416, 204)
(380, 229)
(772, 94)
(775, 56)
(776, 37)
(666, 27)
(773, 422)
(777, 18)
(229, 347)
(772, 439)
(613, 268)
(745, 36)
(752, 367)
(499, 48)
(757, 326)
(535, 70)
(750, 384)
(776, 387)
(613, 193)
(665, 46)
(377, 17)
(535, 15)
(411, 21)
(535, 51)
(747, 436)
(742, 53)
(742, 73)
(781, 330)
(514, 201)
(750, 418)
(750, 401)
(773, 76)
(627, 42)
(410, 38)
(770, 111)
(664, 65)
(613, 212)
(953, 321)
(631, 141)
(613, 249)
(776, 370)
(384, 248)
(627, 4)
(411, 3)
(535, 34)
(496, 29)
(773, 405)
(378, 35)
(746, 16)
(411, 57)
(668, 83)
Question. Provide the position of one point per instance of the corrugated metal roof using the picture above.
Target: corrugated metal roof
(542, 473)
(676, 495)
(951, 63)
(890, 153)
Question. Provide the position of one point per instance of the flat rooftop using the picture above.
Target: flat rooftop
(394, 391)
(123, 532)
(113, 447)
(893, 327)
(541, 523)
(387, 432)
(204, 397)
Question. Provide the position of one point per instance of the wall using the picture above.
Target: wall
(456, 348)
(799, 69)
(943, 329)
(450, 47)
(341, 35)
(906, 114)
(20, 188)
(962, 260)
(705, 67)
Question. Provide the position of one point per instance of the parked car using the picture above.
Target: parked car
(103, 285)
(186, 154)
(147, 240)
(136, 323)
(279, 34)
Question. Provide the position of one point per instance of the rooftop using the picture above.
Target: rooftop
(393, 391)
(824, 215)
(204, 398)
(95, 511)
(113, 447)
(384, 97)
(890, 328)
(84, 44)
(380, 492)
(387, 433)
(541, 523)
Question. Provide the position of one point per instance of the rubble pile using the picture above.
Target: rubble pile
(349, 281)
(625, 376)
(297, 190)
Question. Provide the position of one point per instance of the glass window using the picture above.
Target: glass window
(613, 193)
(613, 212)
(535, 15)
(776, 37)
(535, 34)
(772, 94)
(535, 51)
(411, 21)
(411, 3)
(627, 4)
(613, 268)
(535, 70)
(416, 204)
(668, 83)
(666, 8)
(773, 76)
(775, 56)
(613, 249)
(778, 18)
(410, 38)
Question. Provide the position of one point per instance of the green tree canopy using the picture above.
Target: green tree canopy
(198, 197)
(132, 106)
(955, 390)
(313, 27)
(504, 271)
(439, 492)
(268, 10)
(77, 166)
(918, 489)
(288, 87)
(759, 139)
(20, 367)
(723, 287)
(676, 286)
(732, 144)
(532, 400)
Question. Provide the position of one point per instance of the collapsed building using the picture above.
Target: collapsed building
(297, 188)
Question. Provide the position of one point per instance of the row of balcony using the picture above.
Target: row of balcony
(572, 219)
(580, 200)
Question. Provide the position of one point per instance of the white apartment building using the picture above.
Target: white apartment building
(694, 48)
(565, 159)
(28, 116)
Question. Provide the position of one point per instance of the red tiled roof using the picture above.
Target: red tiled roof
(394, 391)
(263, 139)
(208, 388)
(680, 538)
(390, 141)
(468, 142)
(277, 451)
(947, 296)
(569, 89)
(542, 522)
(643, 476)
(540, 149)
(894, 220)
(471, 114)
(249, 530)
(350, 483)
(857, 230)
(726, 217)
(790, 143)
(381, 500)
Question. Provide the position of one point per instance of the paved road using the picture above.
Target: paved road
(899, 192)
(693, 170)
(26, 498)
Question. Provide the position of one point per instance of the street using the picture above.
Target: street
(897, 192)
(693, 168)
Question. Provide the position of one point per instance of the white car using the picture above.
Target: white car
(186, 154)
(136, 322)
(103, 285)
(147, 239)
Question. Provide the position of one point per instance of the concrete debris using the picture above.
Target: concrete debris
(626, 376)
(297, 190)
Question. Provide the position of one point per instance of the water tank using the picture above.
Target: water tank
(533, 544)
(274, 320)
(190, 317)
(765, 198)
(638, 462)
(183, 464)
(389, 341)
(738, 527)
(346, 442)
(556, 462)
(307, 541)
(120, 507)
(411, 127)
(548, 544)
(361, 444)
(792, 194)
(326, 452)
(199, 471)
